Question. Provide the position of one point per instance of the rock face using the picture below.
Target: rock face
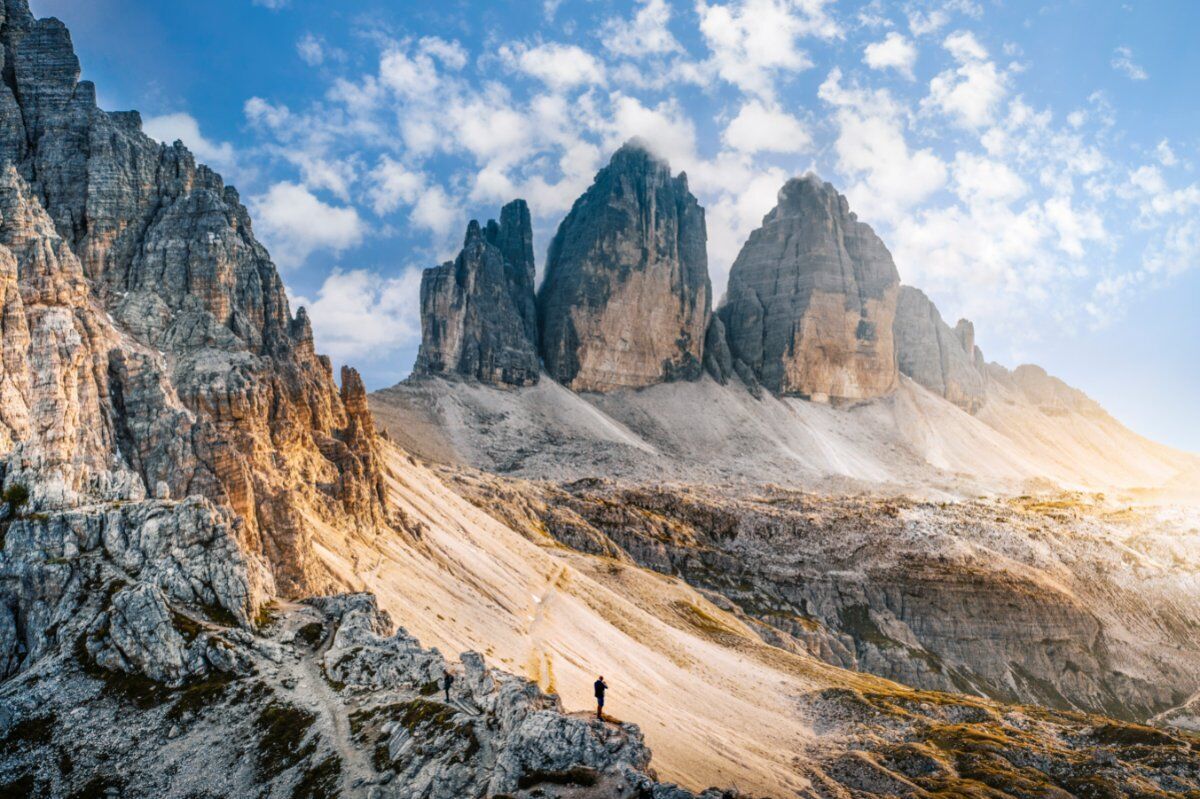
(478, 315)
(327, 699)
(942, 359)
(164, 410)
(626, 298)
(811, 300)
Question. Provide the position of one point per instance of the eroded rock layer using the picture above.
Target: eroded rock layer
(811, 299)
(164, 419)
(626, 298)
(478, 315)
(942, 359)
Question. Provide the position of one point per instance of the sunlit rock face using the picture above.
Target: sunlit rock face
(942, 359)
(148, 350)
(478, 314)
(811, 300)
(627, 298)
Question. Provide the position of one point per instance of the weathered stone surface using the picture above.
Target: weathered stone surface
(626, 298)
(148, 348)
(811, 299)
(718, 361)
(938, 357)
(478, 315)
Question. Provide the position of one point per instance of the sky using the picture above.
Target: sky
(1030, 165)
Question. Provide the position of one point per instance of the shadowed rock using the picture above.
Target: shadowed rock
(478, 316)
(811, 299)
(938, 357)
(627, 298)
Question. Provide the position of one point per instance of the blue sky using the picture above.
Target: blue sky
(1031, 165)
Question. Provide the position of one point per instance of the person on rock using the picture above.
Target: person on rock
(447, 681)
(601, 686)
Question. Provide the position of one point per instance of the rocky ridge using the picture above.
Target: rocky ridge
(478, 315)
(626, 298)
(812, 298)
(156, 393)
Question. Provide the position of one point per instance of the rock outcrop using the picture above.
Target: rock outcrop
(943, 360)
(627, 298)
(478, 314)
(811, 300)
(162, 408)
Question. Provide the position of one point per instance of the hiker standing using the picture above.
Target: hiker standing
(447, 681)
(601, 686)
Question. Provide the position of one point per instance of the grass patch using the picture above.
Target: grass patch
(281, 729)
(1133, 735)
(580, 775)
(311, 635)
(323, 781)
(219, 615)
(187, 627)
(267, 615)
(194, 698)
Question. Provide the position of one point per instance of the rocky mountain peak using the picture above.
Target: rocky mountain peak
(478, 315)
(940, 358)
(626, 298)
(160, 405)
(811, 299)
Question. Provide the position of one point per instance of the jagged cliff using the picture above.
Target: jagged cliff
(161, 408)
(943, 360)
(811, 299)
(478, 316)
(626, 298)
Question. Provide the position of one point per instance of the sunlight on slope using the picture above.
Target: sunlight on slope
(714, 702)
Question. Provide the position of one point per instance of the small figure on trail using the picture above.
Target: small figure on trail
(447, 681)
(601, 686)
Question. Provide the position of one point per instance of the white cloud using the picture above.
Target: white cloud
(184, 127)
(274, 5)
(894, 52)
(560, 66)
(646, 34)
(970, 94)
(310, 49)
(752, 41)
(1075, 227)
(295, 223)
(978, 179)
(762, 128)
(890, 178)
(664, 128)
(360, 314)
(1122, 61)
(451, 53)
(921, 23)
(436, 211)
(1166, 156)
(393, 185)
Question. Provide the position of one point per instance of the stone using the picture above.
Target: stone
(939, 358)
(148, 348)
(811, 300)
(626, 298)
(478, 314)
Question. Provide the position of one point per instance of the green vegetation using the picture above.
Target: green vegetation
(266, 616)
(421, 717)
(197, 696)
(281, 729)
(311, 635)
(322, 781)
(219, 615)
(15, 496)
(187, 627)
(579, 775)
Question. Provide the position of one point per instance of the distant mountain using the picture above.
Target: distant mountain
(820, 368)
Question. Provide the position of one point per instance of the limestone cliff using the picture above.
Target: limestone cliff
(811, 299)
(942, 359)
(165, 412)
(478, 317)
(626, 298)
